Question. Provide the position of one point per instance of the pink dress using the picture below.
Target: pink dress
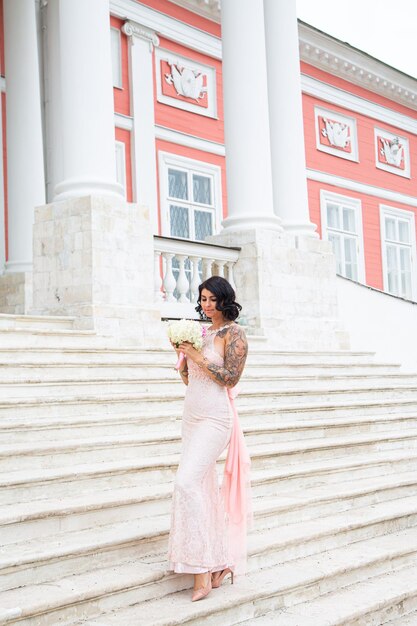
(198, 536)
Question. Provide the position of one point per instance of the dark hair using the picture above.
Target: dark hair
(225, 295)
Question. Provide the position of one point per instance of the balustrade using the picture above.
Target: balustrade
(181, 266)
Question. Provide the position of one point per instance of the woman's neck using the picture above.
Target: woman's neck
(215, 324)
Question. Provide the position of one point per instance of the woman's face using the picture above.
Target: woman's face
(208, 303)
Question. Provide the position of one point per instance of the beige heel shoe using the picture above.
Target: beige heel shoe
(199, 594)
(218, 581)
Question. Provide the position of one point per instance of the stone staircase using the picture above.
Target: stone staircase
(89, 443)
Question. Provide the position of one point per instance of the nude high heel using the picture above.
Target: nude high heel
(219, 579)
(199, 594)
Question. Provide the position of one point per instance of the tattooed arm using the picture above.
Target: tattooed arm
(235, 353)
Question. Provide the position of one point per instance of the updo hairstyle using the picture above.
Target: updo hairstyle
(225, 297)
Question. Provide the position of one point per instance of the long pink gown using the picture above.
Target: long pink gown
(198, 536)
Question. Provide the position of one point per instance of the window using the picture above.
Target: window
(190, 197)
(121, 164)
(116, 57)
(341, 218)
(398, 251)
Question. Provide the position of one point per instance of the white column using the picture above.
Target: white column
(85, 99)
(25, 166)
(286, 117)
(142, 42)
(248, 158)
(2, 204)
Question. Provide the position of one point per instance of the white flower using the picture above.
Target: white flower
(186, 330)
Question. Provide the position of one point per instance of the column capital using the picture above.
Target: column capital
(132, 29)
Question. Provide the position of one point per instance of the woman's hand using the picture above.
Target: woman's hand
(177, 350)
(190, 352)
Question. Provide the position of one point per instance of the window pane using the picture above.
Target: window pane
(179, 221)
(391, 258)
(335, 239)
(403, 231)
(333, 216)
(203, 223)
(177, 184)
(116, 57)
(392, 270)
(406, 284)
(202, 189)
(349, 220)
(390, 228)
(405, 259)
(351, 261)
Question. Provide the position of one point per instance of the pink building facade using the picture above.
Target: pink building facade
(360, 139)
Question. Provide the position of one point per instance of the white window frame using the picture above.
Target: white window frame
(120, 150)
(351, 203)
(404, 214)
(116, 54)
(168, 160)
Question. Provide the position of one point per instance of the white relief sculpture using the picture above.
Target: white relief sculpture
(337, 133)
(187, 82)
(392, 150)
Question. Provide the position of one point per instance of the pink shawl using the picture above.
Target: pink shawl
(237, 491)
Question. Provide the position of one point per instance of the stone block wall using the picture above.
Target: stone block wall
(16, 293)
(287, 287)
(93, 259)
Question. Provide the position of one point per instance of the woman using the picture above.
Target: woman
(199, 542)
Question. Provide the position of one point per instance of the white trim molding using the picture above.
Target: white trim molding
(167, 27)
(191, 73)
(339, 59)
(336, 134)
(190, 141)
(120, 151)
(210, 9)
(347, 100)
(123, 121)
(353, 185)
(392, 152)
(351, 203)
(410, 218)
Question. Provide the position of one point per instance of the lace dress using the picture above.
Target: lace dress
(198, 536)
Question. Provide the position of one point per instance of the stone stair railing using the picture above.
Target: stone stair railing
(180, 267)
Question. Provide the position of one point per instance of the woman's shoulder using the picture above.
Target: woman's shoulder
(232, 332)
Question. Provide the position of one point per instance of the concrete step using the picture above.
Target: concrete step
(106, 593)
(76, 480)
(166, 447)
(36, 322)
(73, 368)
(367, 603)
(45, 557)
(280, 589)
(27, 519)
(150, 403)
(58, 429)
(285, 387)
(27, 338)
(409, 619)
(107, 353)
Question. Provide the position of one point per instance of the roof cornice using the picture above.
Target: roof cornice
(336, 57)
(209, 9)
(341, 59)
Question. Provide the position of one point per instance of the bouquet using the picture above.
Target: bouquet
(185, 330)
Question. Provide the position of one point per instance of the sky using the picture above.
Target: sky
(386, 29)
